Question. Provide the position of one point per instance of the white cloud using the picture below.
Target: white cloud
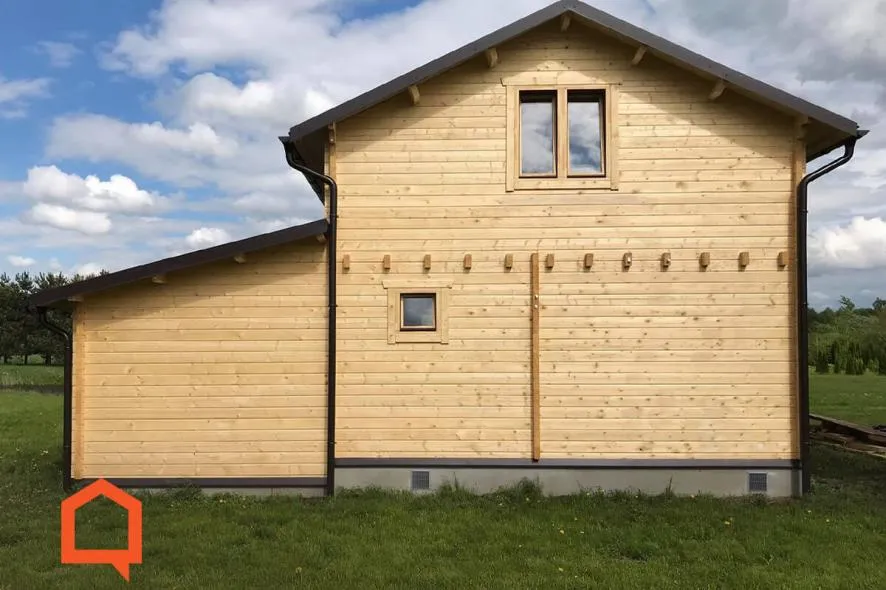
(103, 138)
(15, 94)
(58, 216)
(859, 245)
(264, 203)
(231, 76)
(206, 237)
(90, 268)
(60, 55)
(118, 194)
(20, 261)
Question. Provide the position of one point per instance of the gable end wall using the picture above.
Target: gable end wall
(634, 364)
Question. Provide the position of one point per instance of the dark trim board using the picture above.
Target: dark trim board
(571, 463)
(213, 482)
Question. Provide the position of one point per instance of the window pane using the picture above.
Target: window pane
(418, 312)
(585, 143)
(537, 132)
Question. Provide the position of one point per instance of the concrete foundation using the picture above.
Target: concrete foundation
(564, 481)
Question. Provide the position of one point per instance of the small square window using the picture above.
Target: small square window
(418, 314)
(418, 311)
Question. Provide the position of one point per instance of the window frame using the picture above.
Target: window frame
(564, 179)
(439, 289)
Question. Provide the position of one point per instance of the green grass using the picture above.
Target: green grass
(518, 539)
(28, 375)
(857, 398)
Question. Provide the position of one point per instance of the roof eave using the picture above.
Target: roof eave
(596, 18)
(60, 296)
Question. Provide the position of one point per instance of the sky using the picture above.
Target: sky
(132, 131)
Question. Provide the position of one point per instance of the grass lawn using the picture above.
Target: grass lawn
(451, 540)
(27, 375)
(857, 398)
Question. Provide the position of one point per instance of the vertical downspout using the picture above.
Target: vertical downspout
(330, 368)
(803, 305)
(67, 392)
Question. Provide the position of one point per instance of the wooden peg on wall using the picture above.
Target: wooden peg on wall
(549, 261)
(627, 260)
(665, 260)
(346, 262)
(782, 259)
(704, 261)
(744, 259)
(589, 260)
(427, 262)
(509, 261)
(386, 262)
(469, 261)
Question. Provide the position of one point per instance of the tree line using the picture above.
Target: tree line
(850, 339)
(22, 337)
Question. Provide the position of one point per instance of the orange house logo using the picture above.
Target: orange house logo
(119, 558)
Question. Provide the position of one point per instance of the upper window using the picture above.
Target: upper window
(538, 136)
(585, 132)
(564, 137)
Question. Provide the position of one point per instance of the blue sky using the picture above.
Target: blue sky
(134, 130)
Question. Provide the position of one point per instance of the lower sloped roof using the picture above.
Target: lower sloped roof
(61, 295)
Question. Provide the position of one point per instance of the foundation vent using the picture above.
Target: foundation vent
(758, 482)
(421, 480)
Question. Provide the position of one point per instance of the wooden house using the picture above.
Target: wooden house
(570, 251)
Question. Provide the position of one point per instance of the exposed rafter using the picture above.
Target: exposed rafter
(414, 94)
(492, 57)
(639, 55)
(718, 90)
(565, 21)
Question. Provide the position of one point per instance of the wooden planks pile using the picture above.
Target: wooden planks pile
(851, 436)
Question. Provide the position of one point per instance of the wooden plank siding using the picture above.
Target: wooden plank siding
(642, 363)
(220, 372)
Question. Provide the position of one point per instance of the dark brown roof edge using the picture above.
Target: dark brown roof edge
(642, 37)
(58, 295)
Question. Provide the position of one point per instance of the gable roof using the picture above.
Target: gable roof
(309, 136)
(59, 296)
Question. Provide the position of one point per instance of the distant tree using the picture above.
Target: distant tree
(879, 305)
(49, 345)
(28, 329)
(10, 328)
(822, 367)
